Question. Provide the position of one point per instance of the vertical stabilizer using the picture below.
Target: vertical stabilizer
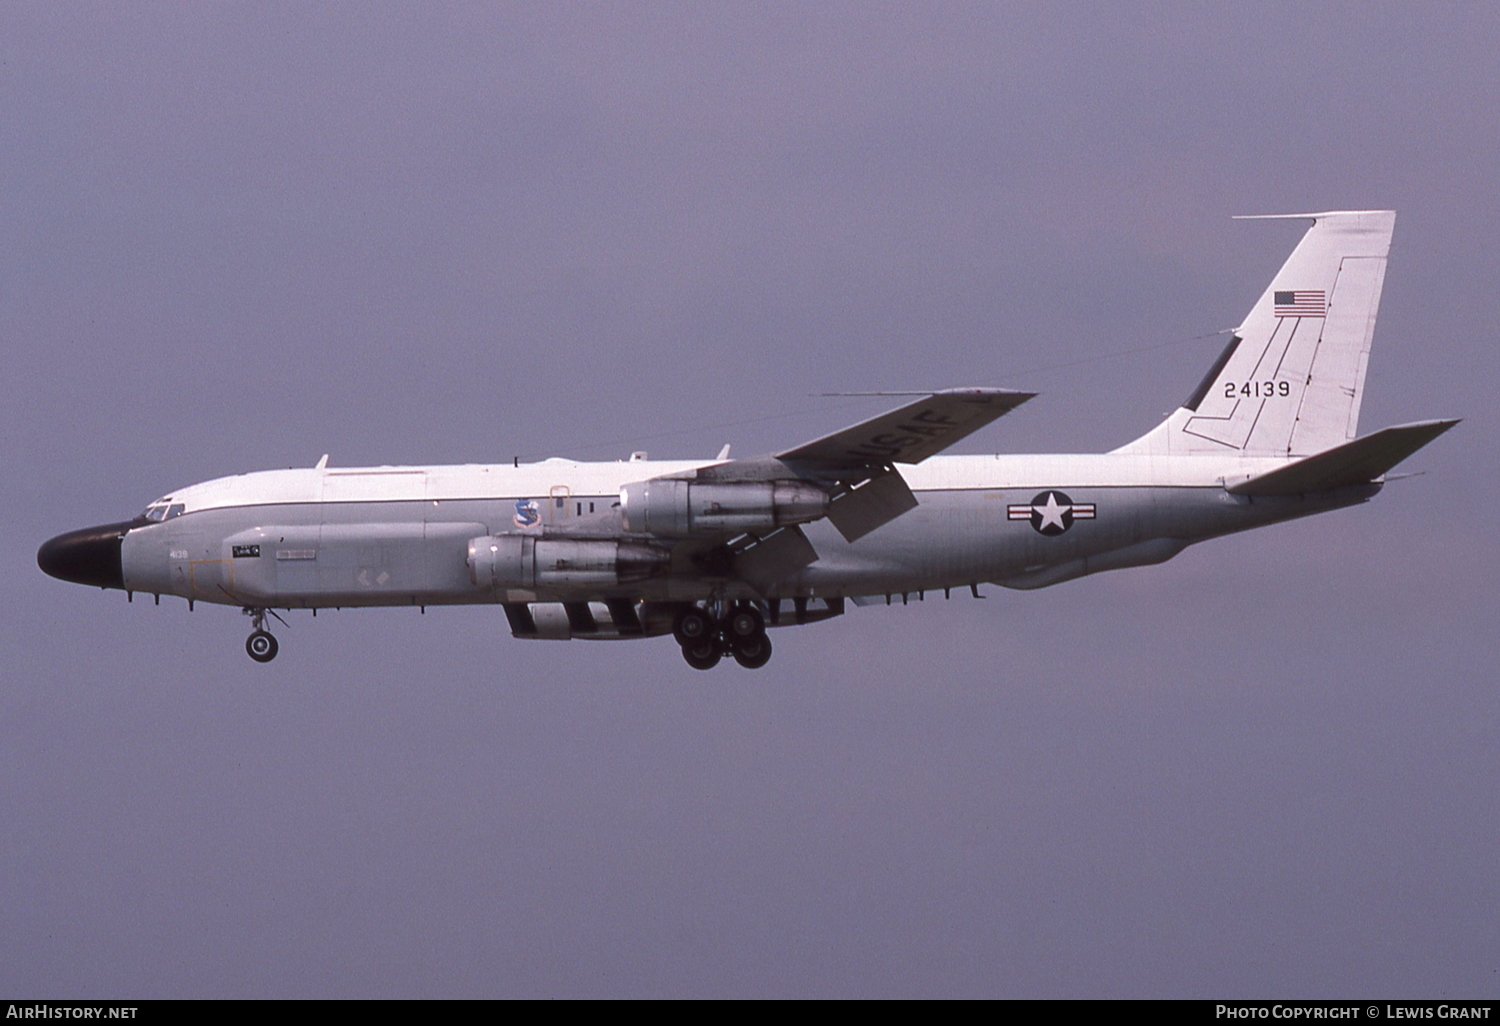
(1291, 379)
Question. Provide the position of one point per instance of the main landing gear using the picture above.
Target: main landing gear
(261, 644)
(741, 633)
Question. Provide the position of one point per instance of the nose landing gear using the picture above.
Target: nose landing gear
(261, 644)
(740, 633)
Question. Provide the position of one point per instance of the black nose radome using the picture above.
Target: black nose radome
(89, 556)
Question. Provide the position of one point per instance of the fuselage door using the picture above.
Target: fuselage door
(559, 504)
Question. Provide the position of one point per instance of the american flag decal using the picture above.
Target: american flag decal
(1302, 303)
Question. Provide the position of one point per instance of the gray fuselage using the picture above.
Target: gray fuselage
(402, 535)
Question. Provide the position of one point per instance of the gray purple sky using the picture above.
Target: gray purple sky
(237, 237)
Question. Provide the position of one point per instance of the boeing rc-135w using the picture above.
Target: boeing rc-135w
(715, 552)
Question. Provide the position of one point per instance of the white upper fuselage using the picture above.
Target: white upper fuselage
(539, 480)
(971, 523)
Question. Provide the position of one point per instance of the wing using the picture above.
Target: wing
(859, 461)
(742, 518)
(913, 432)
(855, 467)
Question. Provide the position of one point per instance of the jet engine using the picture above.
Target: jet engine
(518, 561)
(677, 509)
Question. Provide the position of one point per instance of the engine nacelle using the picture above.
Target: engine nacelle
(518, 561)
(677, 509)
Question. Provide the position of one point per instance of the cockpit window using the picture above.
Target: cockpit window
(164, 510)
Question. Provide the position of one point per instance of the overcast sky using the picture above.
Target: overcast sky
(236, 237)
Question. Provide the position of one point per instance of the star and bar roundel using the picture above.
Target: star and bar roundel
(1051, 512)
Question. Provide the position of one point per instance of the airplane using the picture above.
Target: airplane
(716, 552)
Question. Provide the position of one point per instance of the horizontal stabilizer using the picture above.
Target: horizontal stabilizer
(1353, 463)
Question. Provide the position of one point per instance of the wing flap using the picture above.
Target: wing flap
(1353, 463)
(878, 501)
(774, 557)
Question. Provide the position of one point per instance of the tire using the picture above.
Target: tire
(703, 654)
(692, 626)
(261, 646)
(753, 653)
(744, 622)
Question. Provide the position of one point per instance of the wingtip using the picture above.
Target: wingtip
(1436, 424)
(1018, 395)
(1306, 217)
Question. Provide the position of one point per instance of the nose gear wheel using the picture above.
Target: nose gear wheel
(261, 645)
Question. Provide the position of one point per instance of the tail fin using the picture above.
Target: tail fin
(1291, 379)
